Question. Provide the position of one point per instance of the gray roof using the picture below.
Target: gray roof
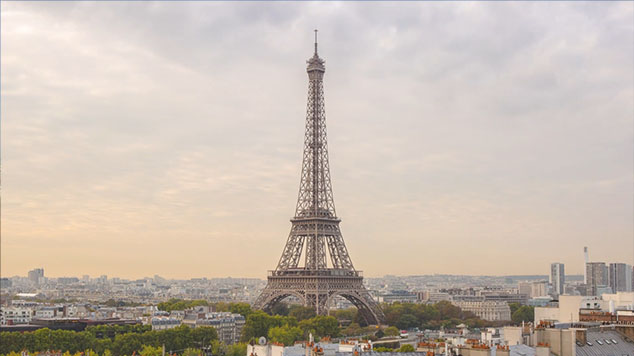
(621, 348)
(519, 350)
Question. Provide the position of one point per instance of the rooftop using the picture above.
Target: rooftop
(606, 343)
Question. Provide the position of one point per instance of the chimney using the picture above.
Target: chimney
(580, 335)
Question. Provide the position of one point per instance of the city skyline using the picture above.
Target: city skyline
(167, 137)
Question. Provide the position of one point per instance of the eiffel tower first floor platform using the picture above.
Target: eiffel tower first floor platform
(316, 288)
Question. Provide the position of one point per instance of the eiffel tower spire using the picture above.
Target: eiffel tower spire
(315, 232)
(315, 190)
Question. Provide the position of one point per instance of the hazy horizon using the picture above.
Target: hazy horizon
(166, 138)
(575, 276)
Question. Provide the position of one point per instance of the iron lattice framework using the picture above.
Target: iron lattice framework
(315, 232)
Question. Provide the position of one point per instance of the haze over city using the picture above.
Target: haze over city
(166, 138)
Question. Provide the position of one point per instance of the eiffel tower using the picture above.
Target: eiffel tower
(316, 226)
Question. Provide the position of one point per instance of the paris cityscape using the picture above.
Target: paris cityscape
(105, 254)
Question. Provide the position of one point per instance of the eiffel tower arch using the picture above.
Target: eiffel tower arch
(327, 270)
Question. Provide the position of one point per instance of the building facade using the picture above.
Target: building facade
(533, 289)
(487, 310)
(620, 277)
(36, 274)
(597, 277)
(163, 323)
(557, 278)
(228, 325)
(15, 315)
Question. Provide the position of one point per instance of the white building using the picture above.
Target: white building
(487, 309)
(569, 306)
(162, 323)
(228, 325)
(15, 315)
(619, 300)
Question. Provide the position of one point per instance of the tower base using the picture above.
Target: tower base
(317, 288)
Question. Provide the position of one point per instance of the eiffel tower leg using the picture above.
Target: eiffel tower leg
(273, 293)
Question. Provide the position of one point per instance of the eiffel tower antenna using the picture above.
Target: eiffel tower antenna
(315, 232)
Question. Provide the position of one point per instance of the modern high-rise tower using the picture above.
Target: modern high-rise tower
(327, 270)
(585, 262)
(597, 273)
(557, 278)
(620, 277)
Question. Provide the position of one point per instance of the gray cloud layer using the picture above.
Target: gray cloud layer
(484, 138)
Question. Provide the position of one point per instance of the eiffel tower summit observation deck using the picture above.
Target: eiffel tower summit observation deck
(315, 232)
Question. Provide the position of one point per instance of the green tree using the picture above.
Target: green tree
(301, 312)
(320, 326)
(280, 309)
(180, 304)
(514, 307)
(203, 335)
(406, 348)
(285, 334)
(348, 314)
(126, 344)
(239, 349)
(191, 352)
(151, 351)
(258, 324)
(448, 310)
(407, 321)
(222, 307)
(382, 349)
(243, 309)
(353, 329)
(392, 331)
(524, 313)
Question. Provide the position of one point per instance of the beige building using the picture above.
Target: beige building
(487, 309)
(533, 289)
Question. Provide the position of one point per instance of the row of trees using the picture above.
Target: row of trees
(100, 341)
(287, 329)
(181, 304)
(429, 316)
(445, 314)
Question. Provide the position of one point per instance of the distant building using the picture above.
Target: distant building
(36, 274)
(228, 325)
(163, 323)
(557, 278)
(533, 289)
(620, 277)
(400, 296)
(540, 301)
(597, 275)
(67, 280)
(15, 315)
(49, 312)
(432, 297)
(5, 283)
(487, 310)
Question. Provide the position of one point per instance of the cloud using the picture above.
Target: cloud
(456, 130)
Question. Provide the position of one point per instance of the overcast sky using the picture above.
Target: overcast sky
(166, 138)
